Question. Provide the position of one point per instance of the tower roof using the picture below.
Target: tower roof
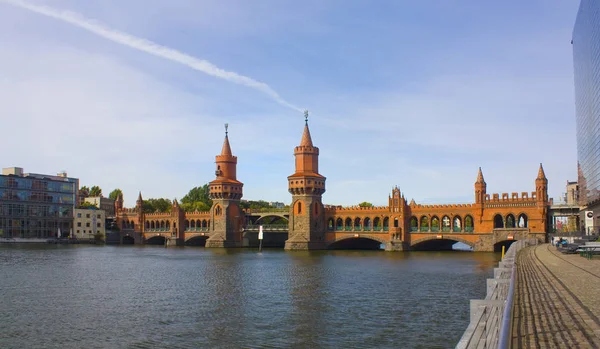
(226, 147)
(480, 177)
(306, 140)
(140, 196)
(541, 174)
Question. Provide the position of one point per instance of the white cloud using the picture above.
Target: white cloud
(150, 47)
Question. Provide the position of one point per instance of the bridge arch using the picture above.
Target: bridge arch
(424, 241)
(156, 240)
(197, 240)
(506, 243)
(269, 219)
(369, 242)
(128, 240)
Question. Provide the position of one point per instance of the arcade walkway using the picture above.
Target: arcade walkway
(557, 300)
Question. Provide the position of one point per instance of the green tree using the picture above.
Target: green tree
(255, 204)
(198, 194)
(115, 194)
(157, 205)
(365, 204)
(95, 191)
(195, 206)
(87, 205)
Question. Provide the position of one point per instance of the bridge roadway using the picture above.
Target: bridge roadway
(557, 303)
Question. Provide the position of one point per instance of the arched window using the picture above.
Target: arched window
(510, 221)
(445, 223)
(204, 224)
(348, 224)
(367, 223)
(147, 225)
(152, 226)
(377, 224)
(187, 224)
(218, 210)
(414, 223)
(168, 225)
(339, 224)
(469, 225)
(123, 225)
(457, 224)
(435, 223)
(198, 224)
(162, 225)
(424, 223)
(522, 223)
(396, 223)
(330, 224)
(498, 221)
(357, 223)
(299, 207)
(193, 224)
(386, 223)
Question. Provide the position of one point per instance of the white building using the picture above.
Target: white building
(88, 222)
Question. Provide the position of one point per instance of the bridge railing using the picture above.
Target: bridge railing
(491, 318)
(267, 227)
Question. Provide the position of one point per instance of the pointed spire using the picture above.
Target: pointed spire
(140, 197)
(226, 147)
(412, 202)
(541, 174)
(480, 177)
(306, 140)
(175, 203)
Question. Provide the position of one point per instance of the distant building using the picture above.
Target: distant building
(36, 205)
(277, 204)
(106, 204)
(572, 194)
(586, 64)
(88, 222)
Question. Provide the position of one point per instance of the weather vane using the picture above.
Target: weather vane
(306, 116)
(226, 126)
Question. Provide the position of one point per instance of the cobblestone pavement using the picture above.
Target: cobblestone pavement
(557, 300)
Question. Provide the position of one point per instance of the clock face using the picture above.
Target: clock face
(590, 214)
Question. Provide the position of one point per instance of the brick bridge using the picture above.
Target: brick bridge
(491, 221)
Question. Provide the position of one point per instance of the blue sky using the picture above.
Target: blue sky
(417, 94)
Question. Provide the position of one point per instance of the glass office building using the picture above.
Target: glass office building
(586, 62)
(35, 205)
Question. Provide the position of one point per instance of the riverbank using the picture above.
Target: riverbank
(48, 241)
(557, 303)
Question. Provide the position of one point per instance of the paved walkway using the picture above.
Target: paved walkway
(557, 300)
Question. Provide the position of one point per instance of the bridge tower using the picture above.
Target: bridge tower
(480, 193)
(177, 224)
(226, 191)
(139, 208)
(307, 215)
(541, 194)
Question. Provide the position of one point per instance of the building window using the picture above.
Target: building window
(79, 224)
(99, 225)
(77, 231)
(87, 215)
(87, 224)
(79, 215)
(98, 216)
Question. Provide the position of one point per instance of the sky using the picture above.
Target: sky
(133, 94)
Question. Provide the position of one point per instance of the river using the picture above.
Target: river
(77, 296)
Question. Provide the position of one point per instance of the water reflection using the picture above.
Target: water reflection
(148, 297)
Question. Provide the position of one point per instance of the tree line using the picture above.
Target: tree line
(197, 199)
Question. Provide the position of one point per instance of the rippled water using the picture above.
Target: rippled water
(151, 297)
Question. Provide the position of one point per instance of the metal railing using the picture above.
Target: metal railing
(491, 318)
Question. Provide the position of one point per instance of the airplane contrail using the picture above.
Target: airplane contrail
(150, 47)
